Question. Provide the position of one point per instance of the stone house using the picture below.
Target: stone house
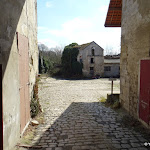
(133, 16)
(18, 67)
(91, 55)
(112, 66)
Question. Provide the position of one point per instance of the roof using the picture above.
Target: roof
(111, 61)
(114, 14)
(83, 46)
(112, 56)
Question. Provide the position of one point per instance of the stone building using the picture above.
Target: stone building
(91, 55)
(133, 16)
(18, 67)
(112, 66)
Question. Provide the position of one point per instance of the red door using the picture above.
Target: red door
(1, 111)
(144, 103)
(24, 80)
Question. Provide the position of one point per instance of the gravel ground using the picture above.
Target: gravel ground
(76, 90)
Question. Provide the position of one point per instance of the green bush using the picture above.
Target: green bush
(76, 68)
(70, 65)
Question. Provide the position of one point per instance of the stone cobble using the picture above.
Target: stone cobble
(75, 120)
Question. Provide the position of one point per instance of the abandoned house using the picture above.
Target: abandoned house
(18, 67)
(133, 16)
(112, 66)
(91, 55)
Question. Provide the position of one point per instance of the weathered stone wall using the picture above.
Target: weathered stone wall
(135, 45)
(98, 60)
(16, 16)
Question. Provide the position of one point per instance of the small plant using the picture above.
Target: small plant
(102, 99)
(35, 105)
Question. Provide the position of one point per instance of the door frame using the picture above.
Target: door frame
(1, 109)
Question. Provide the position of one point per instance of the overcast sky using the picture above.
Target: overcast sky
(61, 22)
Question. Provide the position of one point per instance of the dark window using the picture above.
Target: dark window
(91, 68)
(92, 60)
(93, 53)
(107, 68)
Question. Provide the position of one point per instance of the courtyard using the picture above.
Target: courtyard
(74, 118)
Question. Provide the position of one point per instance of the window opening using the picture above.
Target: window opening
(92, 60)
(107, 68)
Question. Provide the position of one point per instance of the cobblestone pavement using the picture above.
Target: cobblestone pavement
(75, 120)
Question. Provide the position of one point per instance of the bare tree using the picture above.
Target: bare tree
(109, 51)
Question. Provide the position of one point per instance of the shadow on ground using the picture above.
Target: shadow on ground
(82, 78)
(87, 126)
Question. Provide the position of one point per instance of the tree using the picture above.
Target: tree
(70, 65)
(49, 59)
(109, 51)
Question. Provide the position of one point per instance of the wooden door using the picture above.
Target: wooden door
(24, 80)
(144, 100)
(1, 111)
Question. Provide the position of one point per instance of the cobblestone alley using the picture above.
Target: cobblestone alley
(76, 120)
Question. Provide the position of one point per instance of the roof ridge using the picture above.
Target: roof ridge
(83, 46)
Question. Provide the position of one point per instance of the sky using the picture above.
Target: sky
(62, 22)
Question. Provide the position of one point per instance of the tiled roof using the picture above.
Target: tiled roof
(114, 14)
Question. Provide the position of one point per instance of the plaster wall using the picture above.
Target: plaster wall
(135, 45)
(16, 16)
(114, 72)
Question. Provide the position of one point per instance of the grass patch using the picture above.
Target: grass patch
(28, 137)
(102, 99)
(30, 132)
(45, 86)
(47, 103)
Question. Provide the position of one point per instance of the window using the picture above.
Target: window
(92, 60)
(93, 52)
(107, 68)
(91, 68)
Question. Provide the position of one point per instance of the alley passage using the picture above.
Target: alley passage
(76, 120)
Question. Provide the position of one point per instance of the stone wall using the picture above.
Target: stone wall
(135, 45)
(16, 16)
(98, 60)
